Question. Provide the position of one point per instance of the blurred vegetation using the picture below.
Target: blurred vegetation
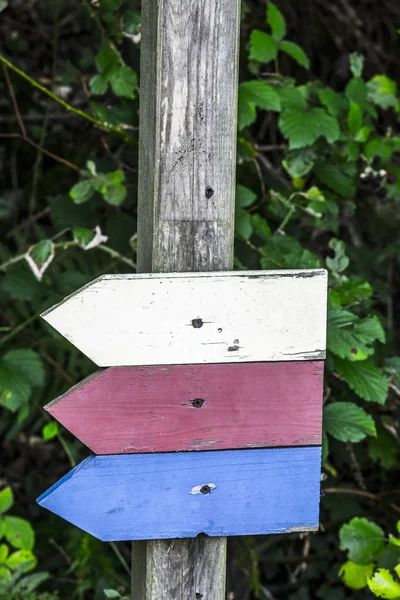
(318, 185)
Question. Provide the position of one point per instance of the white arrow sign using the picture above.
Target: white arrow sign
(182, 318)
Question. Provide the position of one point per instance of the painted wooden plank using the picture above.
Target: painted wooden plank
(195, 407)
(120, 320)
(178, 495)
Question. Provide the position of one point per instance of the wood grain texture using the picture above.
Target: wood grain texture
(180, 569)
(149, 496)
(240, 316)
(189, 66)
(195, 407)
(187, 147)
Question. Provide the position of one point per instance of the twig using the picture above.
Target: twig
(29, 220)
(120, 557)
(117, 255)
(262, 253)
(69, 107)
(14, 101)
(28, 140)
(374, 497)
(58, 368)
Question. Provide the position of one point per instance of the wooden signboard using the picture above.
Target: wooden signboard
(195, 407)
(209, 419)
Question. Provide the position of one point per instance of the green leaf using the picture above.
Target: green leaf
(98, 84)
(356, 64)
(244, 196)
(354, 119)
(381, 147)
(30, 583)
(113, 190)
(299, 162)
(20, 283)
(14, 388)
(106, 59)
(335, 179)
(123, 81)
(356, 91)
(112, 594)
(350, 337)
(263, 47)
(261, 94)
(50, 430)
(348, 422)
(247, 113)
(340, 262)
(21, 557)
(325, 447)
(252, 94)
(243, 224)
(18, 532)
(292, 97)
(366, 380)
(41, 252)
(383, 91)
(132, 21)
(3, 4)
(355, 576)
(296, 52)
(82, 236)
(261, 227)
(334, 102)
(6, 500)
(83, 191)
(384, 449)
(3, 553)
(383, 585)
(363, 539)
(28, 363)
(303, 128)
(276, 21)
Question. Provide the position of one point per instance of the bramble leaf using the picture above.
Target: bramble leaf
(347, 422)
(366, 380)
(363, 540)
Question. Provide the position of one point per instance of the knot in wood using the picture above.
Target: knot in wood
(209, 192)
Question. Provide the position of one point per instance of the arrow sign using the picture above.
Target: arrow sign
(195, 407)
(232, 317)
(148, 496)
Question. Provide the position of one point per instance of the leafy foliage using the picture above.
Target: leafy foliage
(318, 186)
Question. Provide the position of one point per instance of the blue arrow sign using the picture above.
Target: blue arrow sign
(176, 495)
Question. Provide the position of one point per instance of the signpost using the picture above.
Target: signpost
(208, 420)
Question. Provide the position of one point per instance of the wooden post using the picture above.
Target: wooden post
(187, 161)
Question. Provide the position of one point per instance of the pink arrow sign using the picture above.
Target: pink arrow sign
(195, 407)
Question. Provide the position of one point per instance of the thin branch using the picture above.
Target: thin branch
(374, 497)
(14, 101)
(69, 107)
(27, 221)
(28, 140)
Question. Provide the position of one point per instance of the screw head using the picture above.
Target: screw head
(198, 402)
(197, 323)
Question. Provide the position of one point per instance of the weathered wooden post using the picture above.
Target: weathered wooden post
(187, 165)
